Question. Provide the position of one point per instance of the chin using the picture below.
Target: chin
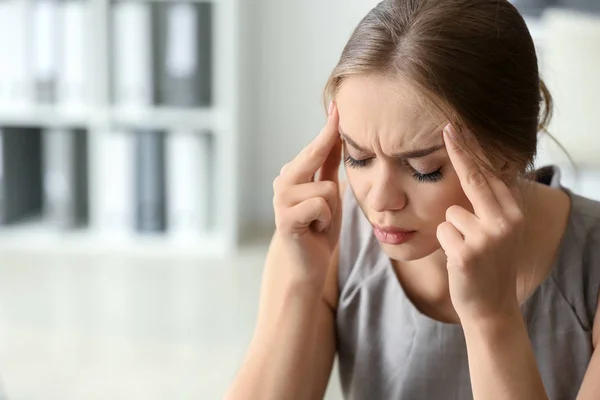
(412, 250)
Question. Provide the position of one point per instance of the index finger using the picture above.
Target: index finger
(312, 157)
(472, 180)
(330, 169)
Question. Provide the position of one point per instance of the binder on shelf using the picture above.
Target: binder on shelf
(212, 192)
(65, 177)
(115, 196)
(132, 90)
(150, 181)
(17, 73)
(20, 174)
(188, 154)
(72, 85)
(183, 38)
(132, 81)
(45, 48)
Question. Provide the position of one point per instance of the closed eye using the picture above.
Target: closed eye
(431, 177)
(354, 163)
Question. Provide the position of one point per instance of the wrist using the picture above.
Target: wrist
(303, 290)
(496, 328)
(501, 359)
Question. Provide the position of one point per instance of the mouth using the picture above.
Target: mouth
(392, 235)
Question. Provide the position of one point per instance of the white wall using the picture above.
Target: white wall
(299, 43)
(569, 66)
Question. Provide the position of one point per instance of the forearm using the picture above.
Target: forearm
(501, 361)
(280, 357)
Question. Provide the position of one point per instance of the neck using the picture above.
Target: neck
(433, 298)
(543, 235)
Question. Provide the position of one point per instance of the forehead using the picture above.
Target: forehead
(395, 112)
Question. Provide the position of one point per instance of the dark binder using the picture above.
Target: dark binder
(150, 181)
(178, 85)
(21, 175)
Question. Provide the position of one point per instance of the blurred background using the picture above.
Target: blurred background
(138, 144)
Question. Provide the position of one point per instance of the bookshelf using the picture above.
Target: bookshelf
(99, 115)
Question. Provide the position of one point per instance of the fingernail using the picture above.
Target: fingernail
(330, 108)
(449, 130)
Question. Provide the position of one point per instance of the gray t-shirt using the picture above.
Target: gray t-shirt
(388, 349)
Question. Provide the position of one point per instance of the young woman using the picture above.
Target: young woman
(446, 268)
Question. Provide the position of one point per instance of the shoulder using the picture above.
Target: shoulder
(583, 226)
(577, 271)
(584, 223)
(582, 233)
(586, 220)
(584, 205)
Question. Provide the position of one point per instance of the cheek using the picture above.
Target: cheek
(359, 180)
(432, 200)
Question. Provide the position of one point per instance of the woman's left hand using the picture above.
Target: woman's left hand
(481, 246)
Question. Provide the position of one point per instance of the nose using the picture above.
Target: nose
(386, 193)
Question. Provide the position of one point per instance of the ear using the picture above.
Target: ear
(509, 172)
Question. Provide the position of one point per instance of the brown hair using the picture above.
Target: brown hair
(474, 59)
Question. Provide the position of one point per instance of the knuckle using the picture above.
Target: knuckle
(289, 222)
(479, 245)
(330, 188)
(283, 169)
(277, 200)
(463, 257)
(503, 226)
(281, 222)
(317, 151)
(321, 203)
(321, 207)
(518, 219)
(488, 172)
(276, 183)
(476, 179)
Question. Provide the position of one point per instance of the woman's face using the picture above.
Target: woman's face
(397, 164)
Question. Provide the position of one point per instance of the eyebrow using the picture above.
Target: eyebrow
(404, 155)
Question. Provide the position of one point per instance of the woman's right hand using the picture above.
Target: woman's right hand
(308, 206)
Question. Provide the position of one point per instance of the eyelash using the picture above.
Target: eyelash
(431, 177)
(353, 163)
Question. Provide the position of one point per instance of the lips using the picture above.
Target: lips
(392, 235)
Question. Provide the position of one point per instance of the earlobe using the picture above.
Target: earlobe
(505, 170)
(509, 174)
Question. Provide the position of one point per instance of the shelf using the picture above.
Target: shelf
(43, 116)
(164, 118)
(161, 118)
(168, 1)
(101, 116)
(40, 236)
